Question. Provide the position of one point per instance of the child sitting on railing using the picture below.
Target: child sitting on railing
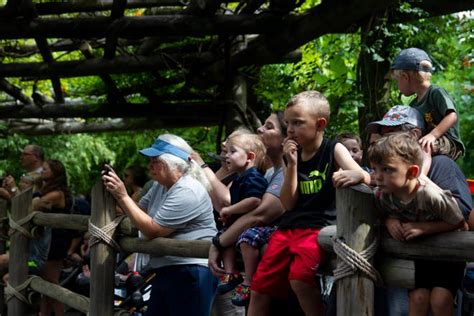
(411, 203)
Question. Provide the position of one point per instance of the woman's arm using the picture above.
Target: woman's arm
(51, 199)
(220, 194)
(137, 216)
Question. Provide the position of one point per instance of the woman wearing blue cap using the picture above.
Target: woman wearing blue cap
(177, 206)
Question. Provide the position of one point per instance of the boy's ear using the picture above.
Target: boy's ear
(251, 155)
(321, 123)
(413, 171)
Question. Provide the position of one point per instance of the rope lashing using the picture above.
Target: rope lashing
(11, 291)
(351, 261)
(105, 233)
(18, 225)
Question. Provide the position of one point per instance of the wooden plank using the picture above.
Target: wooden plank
(449, 246)
(43, 47)
(77, 222)
(68, 297)
(102, 256)
(100, 66)
(118, 9)
(14, 91)
(18, 264)
(163, 111)
(3, 246)
(166, 247)
(139, 27)
(355, 226)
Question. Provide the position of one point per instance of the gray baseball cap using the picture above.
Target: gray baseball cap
(397, 116)
(410, 59)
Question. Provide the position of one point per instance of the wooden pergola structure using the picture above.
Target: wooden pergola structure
(193, 56)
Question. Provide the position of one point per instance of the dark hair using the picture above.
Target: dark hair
(139, 175)
(397, 144)
(281, 120)
(349, 135)
(58, 181)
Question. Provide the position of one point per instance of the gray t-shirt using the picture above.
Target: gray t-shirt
(430, 204)
(185, 207)
(275, 180)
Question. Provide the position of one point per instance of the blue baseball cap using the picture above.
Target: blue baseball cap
(410, 59)
(397, 116)
(161, 147)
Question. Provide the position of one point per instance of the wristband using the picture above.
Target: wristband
(204, 165)
(216, 242)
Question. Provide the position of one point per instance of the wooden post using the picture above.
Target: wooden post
(3, 246)
(355, 225)
(102, 256)
(18, 264)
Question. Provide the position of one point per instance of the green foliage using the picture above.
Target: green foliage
(328, 65)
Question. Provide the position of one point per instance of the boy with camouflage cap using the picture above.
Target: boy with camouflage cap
(412, 70)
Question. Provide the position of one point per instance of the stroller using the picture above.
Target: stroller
(132, 288)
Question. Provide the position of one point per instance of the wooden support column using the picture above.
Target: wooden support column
(102, 256)
(3, 246)
(18, 264)
(355, 226)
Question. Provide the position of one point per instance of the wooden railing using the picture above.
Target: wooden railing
(101, 301)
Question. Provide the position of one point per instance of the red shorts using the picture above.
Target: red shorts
(292, 254)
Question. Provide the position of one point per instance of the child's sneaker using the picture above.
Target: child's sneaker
(228, 282)
(241, 295)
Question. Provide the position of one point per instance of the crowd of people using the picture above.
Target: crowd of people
(268, 198)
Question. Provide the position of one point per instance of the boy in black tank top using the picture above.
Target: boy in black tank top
(308, 195)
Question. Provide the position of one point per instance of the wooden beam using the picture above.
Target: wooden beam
(14, 91)
(139, 27)
(111, 125)
(451, 246)
(114, 95)
(118, 9)
(99, 66)
(53, 8)
(169, 110)
(338, 16)
(43, 47)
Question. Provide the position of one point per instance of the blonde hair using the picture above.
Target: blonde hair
(251, 143)
(419, 76)
(313, 100)
(401, 145)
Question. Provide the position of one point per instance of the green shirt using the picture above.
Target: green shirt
(434, 106)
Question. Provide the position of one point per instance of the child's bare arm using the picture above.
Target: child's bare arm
(415, 229)
(351, 172)
(289, 189)
(241, 207)
(427, 141)
(395, 229)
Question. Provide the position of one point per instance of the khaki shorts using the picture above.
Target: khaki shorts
(445, 146)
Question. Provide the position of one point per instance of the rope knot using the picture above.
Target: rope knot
(352, 261)
(105, 233)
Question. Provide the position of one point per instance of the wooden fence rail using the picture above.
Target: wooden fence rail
(356, 222)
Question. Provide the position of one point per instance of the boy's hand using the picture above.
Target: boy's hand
(427, 142)
(290, 150)
(345, 178)
(224, 214)
(394, 227)
(413, 229)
